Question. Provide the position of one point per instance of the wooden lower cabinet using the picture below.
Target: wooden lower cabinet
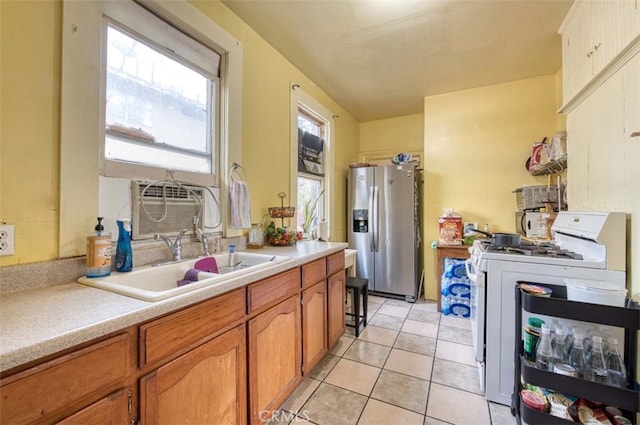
(207, 385)
(314, 325)
(115, 409)
(336, 300)
(57, 389)
(240, 376)
(275, 356)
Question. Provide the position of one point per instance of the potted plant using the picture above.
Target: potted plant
(310, 217)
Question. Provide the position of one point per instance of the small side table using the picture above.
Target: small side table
(448, 251)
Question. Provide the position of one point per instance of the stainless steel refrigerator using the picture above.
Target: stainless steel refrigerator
(383, 227)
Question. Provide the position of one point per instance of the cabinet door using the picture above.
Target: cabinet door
(336, 300)
(111, 410)
(632, 155)
(606, 36)
(628, 16)
(314, 325)
(576, 48)
(207, 385)
(275, 357)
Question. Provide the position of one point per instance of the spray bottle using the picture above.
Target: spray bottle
(124, 255)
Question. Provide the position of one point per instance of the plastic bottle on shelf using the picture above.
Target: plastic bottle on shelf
(604, 333)
(616, 370)
(544, 355)
(552, 335)
(542, 327)
(558, 347)
(568, 341)
(588, 332)
(598, 367)
(577, 357)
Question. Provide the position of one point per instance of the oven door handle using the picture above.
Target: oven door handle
(472, 275)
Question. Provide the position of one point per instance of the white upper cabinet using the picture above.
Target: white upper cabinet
(596, 34)
(628, 14)
(576, 44)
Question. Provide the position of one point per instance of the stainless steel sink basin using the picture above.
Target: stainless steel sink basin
(157, 283)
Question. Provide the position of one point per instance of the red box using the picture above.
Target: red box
(450, 230)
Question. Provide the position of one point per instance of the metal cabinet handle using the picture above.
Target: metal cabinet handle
(597, 46)
(635, 134)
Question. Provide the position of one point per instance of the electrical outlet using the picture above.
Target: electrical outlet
(6, 239)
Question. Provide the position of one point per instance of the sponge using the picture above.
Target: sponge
(191, 275)
(207, 264)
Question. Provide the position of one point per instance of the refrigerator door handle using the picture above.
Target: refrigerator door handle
(372, 247)
(376, 219)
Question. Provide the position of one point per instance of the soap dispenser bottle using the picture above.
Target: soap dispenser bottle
(99, 252)
(124, 255)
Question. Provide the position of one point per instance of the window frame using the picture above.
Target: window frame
(311, 116)
(152, 33)
(300, 100)
(81, 131)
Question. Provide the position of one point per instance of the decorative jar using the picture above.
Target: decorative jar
(256, 236)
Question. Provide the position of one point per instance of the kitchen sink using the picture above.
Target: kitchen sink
(154, 283)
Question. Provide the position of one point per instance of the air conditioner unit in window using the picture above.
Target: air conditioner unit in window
(181, 204)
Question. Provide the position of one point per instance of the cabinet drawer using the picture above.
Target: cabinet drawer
(179, 331)
(335, 263)
(43, 393)
(110, 410)
(314, 272)
(269, 291)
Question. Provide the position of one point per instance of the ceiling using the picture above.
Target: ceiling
(380, 58)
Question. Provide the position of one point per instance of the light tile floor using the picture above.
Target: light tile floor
(410, 365)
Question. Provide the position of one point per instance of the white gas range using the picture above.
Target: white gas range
(587, 245)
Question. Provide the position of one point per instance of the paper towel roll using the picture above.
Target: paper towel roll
(323, 230)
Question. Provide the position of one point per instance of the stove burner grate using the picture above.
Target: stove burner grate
(545, 249)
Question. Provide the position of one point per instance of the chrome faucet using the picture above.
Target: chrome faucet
(174, 246)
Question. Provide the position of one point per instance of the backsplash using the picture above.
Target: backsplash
(22, 277)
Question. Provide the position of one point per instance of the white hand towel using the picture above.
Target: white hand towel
(240, 205)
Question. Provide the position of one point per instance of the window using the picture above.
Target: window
(312, 138)
(311, 171)
(158, 111)
(161, 101)
(106, 144)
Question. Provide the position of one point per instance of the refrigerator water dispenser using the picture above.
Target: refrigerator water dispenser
(361, 221)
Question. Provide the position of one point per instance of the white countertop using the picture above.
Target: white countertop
(39, 322)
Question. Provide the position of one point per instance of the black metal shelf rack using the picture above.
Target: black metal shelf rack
(626, 399)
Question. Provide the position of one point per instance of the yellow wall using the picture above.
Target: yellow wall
(382, 139)
(385, 138)
(30, 61)
(476, 145)
(265, 116)
(29, 126)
